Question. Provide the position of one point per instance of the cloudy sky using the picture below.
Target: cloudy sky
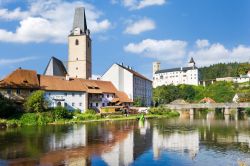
(135, 32)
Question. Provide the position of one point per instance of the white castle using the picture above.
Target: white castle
(182, 75)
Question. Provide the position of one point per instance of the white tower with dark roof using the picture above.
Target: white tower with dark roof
(79, 47)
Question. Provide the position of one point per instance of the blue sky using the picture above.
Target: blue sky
(135, 32)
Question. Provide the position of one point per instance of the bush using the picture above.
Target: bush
(36, 102)
(247, 111)
(87, 116)
(90, 111)
(29, 119)
(61, 113)
(7, 108)
(159, 110)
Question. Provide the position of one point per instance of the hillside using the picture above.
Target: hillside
(224, 70)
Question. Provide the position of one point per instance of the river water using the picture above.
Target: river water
(177, 142)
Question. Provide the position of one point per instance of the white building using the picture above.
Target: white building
(76, 93)
(183, 75)
(131, 82)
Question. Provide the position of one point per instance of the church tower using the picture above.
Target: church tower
(79, 47)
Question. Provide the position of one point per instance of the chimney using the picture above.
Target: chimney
(67, 77)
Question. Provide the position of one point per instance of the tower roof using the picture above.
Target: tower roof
(80, 19)
(191, 60)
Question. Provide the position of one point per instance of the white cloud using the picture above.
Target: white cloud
(217, 53)
(164, 50)
(202, 43)
(140, 26)
(139, 4)
(47, 20)
(16, 14)
(6, 62)
(176, 51)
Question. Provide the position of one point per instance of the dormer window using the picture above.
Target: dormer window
(77, 42)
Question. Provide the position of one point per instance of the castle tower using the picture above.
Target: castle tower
(156, 67)
(79, 47)
(191, 62)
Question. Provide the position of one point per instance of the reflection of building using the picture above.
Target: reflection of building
(131, 82)
(122, 152)
(183, 75)
(176, 141)
(76, 138)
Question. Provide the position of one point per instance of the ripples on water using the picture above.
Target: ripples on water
(153, 142)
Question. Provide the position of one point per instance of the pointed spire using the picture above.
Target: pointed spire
(80, 20)
(191, 60)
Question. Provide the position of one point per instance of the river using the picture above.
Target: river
(181, 142)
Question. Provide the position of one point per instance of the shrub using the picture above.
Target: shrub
(36, 102)
(159, 110)
(247, 111)
(7, 107)
(45, 118)
(29, 119)
(61, 113)
(90, 111)
(86, 116)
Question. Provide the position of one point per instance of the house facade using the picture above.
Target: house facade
(19, 84)
(125, 79)
(183, 75)
(67, 92)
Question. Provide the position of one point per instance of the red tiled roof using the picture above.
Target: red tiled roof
(21, 78)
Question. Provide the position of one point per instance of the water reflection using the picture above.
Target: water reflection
(181, 141)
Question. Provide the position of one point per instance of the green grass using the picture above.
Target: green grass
(59, 117)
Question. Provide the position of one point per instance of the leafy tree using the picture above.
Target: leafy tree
(138, 102)
(7, 107)
(220, 91)
(224, 70)
(36, 102)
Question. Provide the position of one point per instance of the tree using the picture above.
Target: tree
(36, 102)
(138, 102)
(7, 107)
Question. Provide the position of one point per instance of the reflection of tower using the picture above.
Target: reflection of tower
(122, 153)
(79, 43)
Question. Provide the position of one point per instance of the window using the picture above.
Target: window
(107, 96)
(73, 94)
(9, 91)
(76, 68)
(96, 104)
(73, 104)
(65, 104)
(49, 94)
(77, 42)
(65, 94)
(80, 95)
(77, 59)
(18, 91)
(103, 104)
(91, 105)
(80, 104)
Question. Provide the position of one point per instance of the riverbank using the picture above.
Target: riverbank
(48, 118)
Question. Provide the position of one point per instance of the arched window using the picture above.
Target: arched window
(77, 42)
